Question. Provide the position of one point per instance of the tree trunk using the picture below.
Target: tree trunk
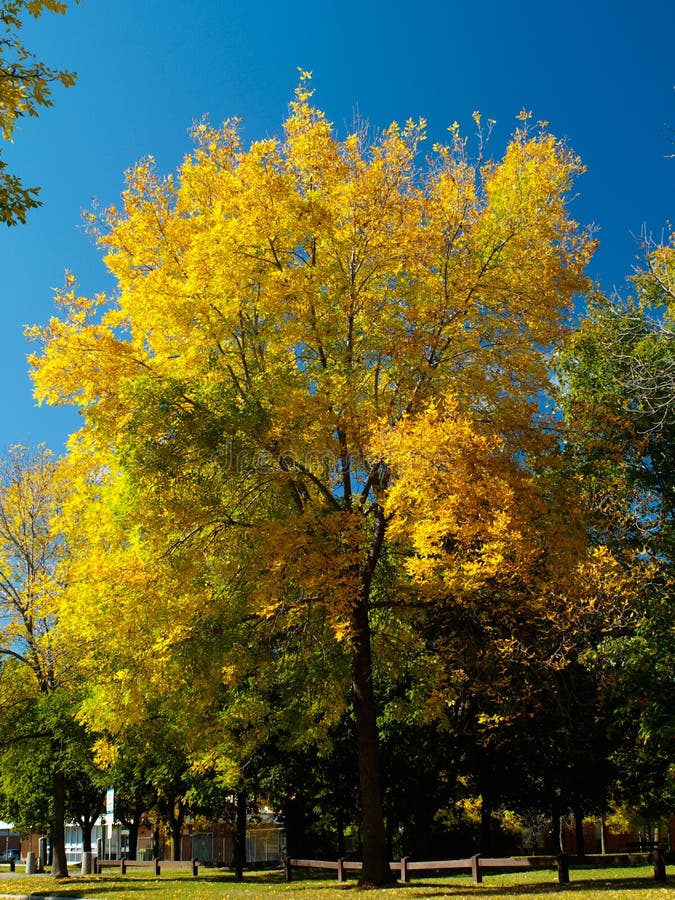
(485, 841)
(294, 819)
(603, 834)
(177, 832)
(556, 826)
(376, 869)
(340, 828)
(86, 823)
(420, 835)
(132, 826)
(87, 828)
(579, 831)
(240, 837)
(58, 827)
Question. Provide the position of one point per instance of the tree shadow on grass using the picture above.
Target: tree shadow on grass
(84, 888)
(148, 885)
(594, 887)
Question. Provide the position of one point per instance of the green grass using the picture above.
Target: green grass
(586, 884)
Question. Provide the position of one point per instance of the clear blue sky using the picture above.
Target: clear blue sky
(600, 72)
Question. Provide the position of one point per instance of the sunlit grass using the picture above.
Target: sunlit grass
(586, 884)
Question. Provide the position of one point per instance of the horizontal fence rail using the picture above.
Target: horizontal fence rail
(157, 864)
(478, 864)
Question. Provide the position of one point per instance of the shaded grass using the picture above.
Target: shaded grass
(586, 884)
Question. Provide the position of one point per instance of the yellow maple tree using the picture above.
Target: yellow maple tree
(320, 350)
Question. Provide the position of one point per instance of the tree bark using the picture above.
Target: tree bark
(579, 831)
(87, 826)
(58, 825)
(376, 869)
(295, 820)
(420, 837)
(177, 831)
(603, 834)
(485, 843)
(132, 826)
(556, 826)
(240, 837)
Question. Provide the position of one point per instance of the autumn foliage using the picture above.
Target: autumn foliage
(322, 390)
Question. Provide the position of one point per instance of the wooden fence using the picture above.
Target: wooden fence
(477, 864)
(157, 864)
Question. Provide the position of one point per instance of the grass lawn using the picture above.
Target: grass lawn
(591, 884)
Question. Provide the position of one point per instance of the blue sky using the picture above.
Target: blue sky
(601, 73)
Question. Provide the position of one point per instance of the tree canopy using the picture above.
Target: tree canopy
(321, 398)
(619, 369)
(25, 88)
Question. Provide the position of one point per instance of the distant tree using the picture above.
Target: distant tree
(620, 377)
(25, 87)
(26, 785)
(38, 706)
(85, 784)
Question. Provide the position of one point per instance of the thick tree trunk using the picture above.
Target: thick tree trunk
(58, 826)
(240, 837)
(376, 869)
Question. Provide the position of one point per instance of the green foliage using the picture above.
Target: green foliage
(620, 375)
(25, 88)
(26, 786)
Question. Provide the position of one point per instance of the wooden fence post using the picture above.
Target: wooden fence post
(157, 869)
(405, 875)
(659, 863)
(341, 869)
(563, 869)
(475, 869)
(288, 870)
